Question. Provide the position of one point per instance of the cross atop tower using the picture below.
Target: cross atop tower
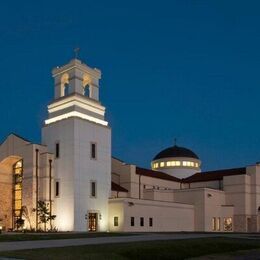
(76, 52)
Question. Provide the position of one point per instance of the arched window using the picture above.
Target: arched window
(86, 85)
(17, 194)
(65, 85)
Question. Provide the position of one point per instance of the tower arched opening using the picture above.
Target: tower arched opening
(11, 172)
(65, 87)
(86, 85)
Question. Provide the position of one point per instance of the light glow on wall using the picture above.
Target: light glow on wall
(65, 218)
(76, 114)
(85, 104)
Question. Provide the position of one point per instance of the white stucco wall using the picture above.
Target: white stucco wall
(75, 170)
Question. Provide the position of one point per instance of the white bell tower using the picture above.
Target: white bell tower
(80, 138)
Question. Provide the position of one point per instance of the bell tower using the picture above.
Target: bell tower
(76, 93)
(79, 78)
(79, 136)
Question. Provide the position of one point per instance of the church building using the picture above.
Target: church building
(87, 189)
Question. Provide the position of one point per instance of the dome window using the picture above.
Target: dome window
(162, 164)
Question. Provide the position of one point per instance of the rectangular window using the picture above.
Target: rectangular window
(93, 151)
(218, 224)
(57, 150)
(228, 224)
(177, 163)
(93, 187)
(214, 224)
(162, 164)
(115, 221)
(150, 222)
(132, 221)
(57, 189)
(141, 221)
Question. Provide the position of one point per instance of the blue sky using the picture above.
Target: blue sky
(170, 69)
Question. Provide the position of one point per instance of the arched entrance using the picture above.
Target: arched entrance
(11, 169)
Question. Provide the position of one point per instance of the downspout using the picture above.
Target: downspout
(139, 186)
(50, 180)
(13, 224)
(37, 186)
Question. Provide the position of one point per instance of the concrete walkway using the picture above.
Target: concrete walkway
(20, 245)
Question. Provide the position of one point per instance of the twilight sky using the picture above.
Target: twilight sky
(184, 69)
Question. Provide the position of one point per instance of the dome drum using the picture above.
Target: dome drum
(177, 161)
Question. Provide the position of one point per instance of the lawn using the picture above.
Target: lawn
(172, 249)
(48, 236)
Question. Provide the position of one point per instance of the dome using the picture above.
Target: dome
(175, 151)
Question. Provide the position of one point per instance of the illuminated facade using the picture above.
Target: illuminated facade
(88, 190)
(25, 179)
(77, 133)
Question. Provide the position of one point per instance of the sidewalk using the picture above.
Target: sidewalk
(20, 245)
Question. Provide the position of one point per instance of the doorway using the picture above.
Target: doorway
(92, 222)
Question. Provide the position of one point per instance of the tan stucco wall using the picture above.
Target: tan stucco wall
(6, 198)
(208, 203)
(166, 216)
(11, 151)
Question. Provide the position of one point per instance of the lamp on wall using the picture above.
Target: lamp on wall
(209, 195)
(130, 204)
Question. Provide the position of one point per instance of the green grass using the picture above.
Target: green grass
(172, 249)
(48, 236)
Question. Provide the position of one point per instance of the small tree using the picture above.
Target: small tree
(44, 213)
(19, 223)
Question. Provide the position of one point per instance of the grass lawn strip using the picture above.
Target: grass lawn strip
(172, 249)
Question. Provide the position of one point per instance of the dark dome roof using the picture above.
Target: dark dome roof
(175, 151)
